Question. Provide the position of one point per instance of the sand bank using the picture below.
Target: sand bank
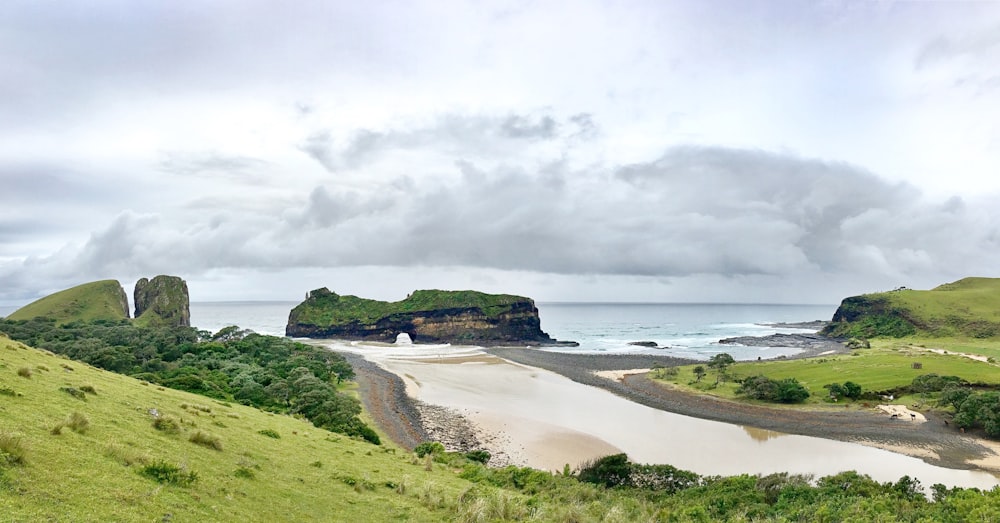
(526, 415)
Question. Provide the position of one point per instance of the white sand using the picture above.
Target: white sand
(619, 375)
(903, 413)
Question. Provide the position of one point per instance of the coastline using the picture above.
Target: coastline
(933, 441)
(407, 410)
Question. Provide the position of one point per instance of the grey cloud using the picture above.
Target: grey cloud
(978, 45)
(213, 163)
(452, 134)
(516, 126)
(320, 147)
(694, 211)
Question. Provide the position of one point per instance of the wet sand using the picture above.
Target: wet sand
(506, 402)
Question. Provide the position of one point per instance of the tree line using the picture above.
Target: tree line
(267, 372)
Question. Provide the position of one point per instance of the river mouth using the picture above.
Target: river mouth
(545, 420)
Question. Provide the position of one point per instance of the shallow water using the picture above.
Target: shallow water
(538, 412)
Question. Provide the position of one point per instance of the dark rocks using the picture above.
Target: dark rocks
(162, 302)
(814, 325)
(650, 344)
(806, 342)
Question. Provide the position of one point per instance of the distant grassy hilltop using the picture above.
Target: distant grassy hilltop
(425, 315)
(99, 300)
(968, 308)
(160, 302)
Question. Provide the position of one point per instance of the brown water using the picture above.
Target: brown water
(545, 420)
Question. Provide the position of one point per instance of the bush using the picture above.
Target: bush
(269, 433)
(78, 422)
(480, 456)
(168, 473)
(89, 389)
(788, 390)
(610, 471)
(206, 440)
(429, 447)
(24, 372)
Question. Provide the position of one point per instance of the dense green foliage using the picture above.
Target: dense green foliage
(849, 390)
(760, 387)
(267, 372)
(967, 308)
(99, 300)
(326, 308)
(614, 489)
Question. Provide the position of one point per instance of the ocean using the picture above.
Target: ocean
(688, 330)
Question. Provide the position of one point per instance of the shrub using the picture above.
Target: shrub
(89, 389)
(170, 474)
(206, 440)
(480, 456)
(166, 424)
(788, 390)
(610, 471)
(269, 433)
(12, 450)
(24, 372)
(428, 447)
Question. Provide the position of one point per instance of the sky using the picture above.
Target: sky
(663, 151)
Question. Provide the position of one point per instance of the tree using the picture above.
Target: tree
(699, 372)
(721, 361)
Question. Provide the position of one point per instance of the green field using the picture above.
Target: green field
(99, 300)
(305, 474)
(887, 366)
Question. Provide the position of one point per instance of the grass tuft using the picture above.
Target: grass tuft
(169, 474)
(24, 372)
(76, 393)
(12, 449)
(166, 424)
(206, 440)
(269, 433)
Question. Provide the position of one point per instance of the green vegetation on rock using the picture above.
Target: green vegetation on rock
(162, 302)
(325, 308)
(99, 300)
(968, 308)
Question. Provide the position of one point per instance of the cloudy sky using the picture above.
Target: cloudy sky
(743, 151)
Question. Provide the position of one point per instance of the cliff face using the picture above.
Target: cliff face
(870, 316)
(162, 302)
(467, 317)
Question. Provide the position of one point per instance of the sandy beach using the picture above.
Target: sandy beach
(548, 409)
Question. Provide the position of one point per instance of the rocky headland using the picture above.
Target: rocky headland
(162, 301)
(427, 316)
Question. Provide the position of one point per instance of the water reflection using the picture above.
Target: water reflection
(761, 435)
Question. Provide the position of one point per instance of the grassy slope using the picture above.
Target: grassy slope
(305, 475)
(99, 300)
(881, 368)
(968, 308)
(325, 308)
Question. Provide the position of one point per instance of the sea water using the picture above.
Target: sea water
(682, 330)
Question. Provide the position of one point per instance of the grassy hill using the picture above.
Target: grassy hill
(968, 308)
(249, 465)
(99, 300)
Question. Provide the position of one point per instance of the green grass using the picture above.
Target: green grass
(324, 308)
(968, 308)
(99, 300)
(888, 365)
(102, 473)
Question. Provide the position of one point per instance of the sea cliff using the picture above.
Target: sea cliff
(427, 316)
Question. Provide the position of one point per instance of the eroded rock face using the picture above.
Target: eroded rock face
(163, 301)
(466, 317)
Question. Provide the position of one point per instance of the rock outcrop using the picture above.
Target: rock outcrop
(428, 316)
(162, 302)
